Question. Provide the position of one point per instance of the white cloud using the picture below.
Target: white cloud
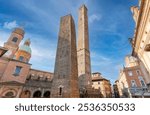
(94, 17)
(99, 59)
(43, 58)
(39, 52)
(10, 25)
(3, 37)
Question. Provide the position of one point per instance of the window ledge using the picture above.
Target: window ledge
(16, 74)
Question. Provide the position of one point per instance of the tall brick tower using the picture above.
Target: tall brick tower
(65, 81)
(84, 63)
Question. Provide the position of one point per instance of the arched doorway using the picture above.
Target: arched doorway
(47, 94)
(37, 94)
(9, 94)
(25, 94)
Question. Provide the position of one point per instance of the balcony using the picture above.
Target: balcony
(139, 92)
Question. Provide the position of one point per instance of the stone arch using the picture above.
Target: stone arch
(9, 93)
(25, 94)
(47, 94)
(37, 94)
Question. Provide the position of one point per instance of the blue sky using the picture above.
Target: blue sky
(110, 26)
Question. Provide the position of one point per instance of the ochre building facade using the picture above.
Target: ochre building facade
(141, 37)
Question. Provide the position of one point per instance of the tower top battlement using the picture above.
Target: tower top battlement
(19, 31)
(83, 6)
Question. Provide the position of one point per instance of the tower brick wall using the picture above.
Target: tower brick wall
(65, 81)
(84, 63)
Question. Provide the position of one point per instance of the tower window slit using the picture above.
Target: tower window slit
(60, 91)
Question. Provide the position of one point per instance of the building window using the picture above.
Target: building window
(17, 70)
(138, 72)
(133, 83)
(15, 39)
(21, 58)
(142, 81)
(98, 82)
(130, 73)
(60, 91)
(99, 88)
